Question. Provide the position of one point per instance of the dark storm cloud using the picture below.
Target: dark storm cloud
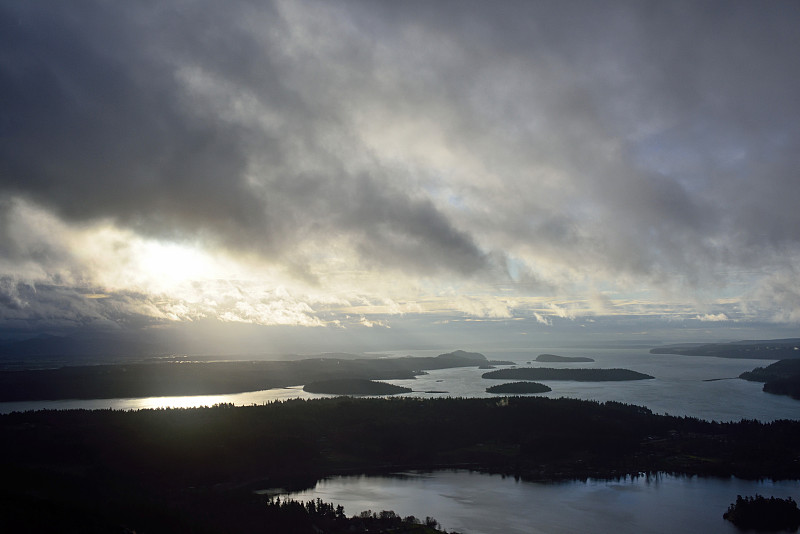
(94, 126)
(652, 144)
(97, 124)
(53, 307)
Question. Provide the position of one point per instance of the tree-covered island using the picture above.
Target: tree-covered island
(354, 386)
(519, 388)
(764, 514)
(579, 375)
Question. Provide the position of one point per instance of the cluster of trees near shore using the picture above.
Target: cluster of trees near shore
(763, 513)
(193, 470)
(313, 517)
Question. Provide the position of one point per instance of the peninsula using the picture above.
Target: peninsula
(780, 378)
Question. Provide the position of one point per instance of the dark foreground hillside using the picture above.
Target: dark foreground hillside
(194, 470)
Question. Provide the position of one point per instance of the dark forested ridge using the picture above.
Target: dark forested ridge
(772, 349)
(208, 378)
(193, 470)
(780, 378)
(580, 375)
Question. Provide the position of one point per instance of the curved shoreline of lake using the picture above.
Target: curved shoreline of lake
(476, 503)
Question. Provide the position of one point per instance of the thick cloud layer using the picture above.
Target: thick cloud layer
(610, 152)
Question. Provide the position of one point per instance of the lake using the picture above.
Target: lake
(681, 386)
(474, 503)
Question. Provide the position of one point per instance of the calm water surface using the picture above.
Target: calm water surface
(474, 503)
(694, 386)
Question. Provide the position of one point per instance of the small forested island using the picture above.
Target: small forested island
(551, 358)
(354, 386)
(579, 375)
(762, 514)
(771, 349)
(519, 387)
(780, 378)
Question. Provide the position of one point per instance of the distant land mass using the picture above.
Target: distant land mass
(552, 358)
(771, 349)
(209, 378)
(519, 387)
(47, 351)
(578, 375)
(354, 386)
(780, 378)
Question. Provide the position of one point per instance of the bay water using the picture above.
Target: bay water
(694, 386)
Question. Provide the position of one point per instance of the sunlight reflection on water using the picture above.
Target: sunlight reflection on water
(142, 403)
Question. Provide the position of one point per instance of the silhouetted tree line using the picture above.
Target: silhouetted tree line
(194, 470)
(760, 513)
(315, 516)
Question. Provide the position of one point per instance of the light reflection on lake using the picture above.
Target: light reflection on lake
(141, 403)
(474, 503)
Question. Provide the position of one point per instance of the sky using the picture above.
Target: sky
(359, 175)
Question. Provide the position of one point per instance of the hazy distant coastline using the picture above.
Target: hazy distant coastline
(554, 358)
(773, 349)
